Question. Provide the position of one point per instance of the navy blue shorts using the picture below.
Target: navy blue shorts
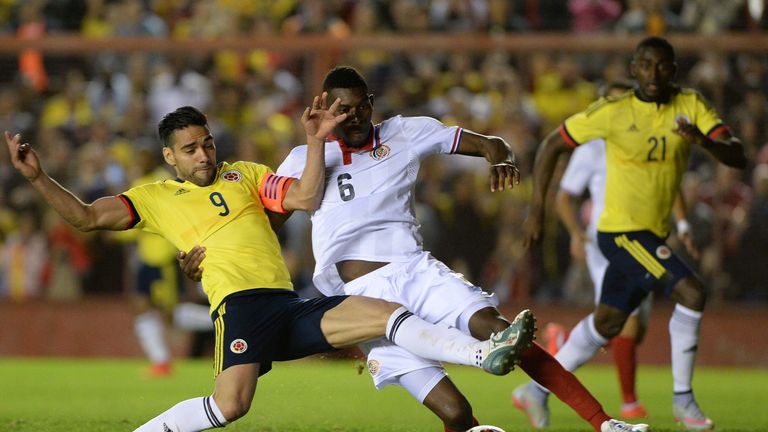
(638, 262)
(264, 325)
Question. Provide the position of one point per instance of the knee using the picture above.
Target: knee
(486, 321)
(690, 293)
(608, 325)
(232, 408)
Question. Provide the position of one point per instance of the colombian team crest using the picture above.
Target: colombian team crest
(380, 152)
(238, 346)
(374, 367)
(233, 176)
(663, 252)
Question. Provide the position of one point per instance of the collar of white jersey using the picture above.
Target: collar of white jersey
(374, 140)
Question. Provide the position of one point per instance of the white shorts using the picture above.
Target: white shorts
(429, 289)
(597, 265)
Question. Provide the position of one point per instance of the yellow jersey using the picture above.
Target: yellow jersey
(645, 159)
(227, 218)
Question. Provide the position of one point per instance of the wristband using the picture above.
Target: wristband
(683, 227)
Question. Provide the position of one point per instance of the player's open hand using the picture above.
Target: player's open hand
(23, 158)
(690, 246)
(578, 245)
(532, 228)
(190, 262)
(688, 131)
(503, 175)
(319, 119)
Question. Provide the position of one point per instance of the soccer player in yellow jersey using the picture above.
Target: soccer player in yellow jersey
(648, 133)
(257, 316)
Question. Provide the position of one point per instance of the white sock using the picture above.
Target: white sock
(434, 341)
(192, 317)
(684, 336)
(582, 344)
(191, 415)
(150, 332)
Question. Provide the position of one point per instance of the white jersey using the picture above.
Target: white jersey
(367, 212)
(586, 170)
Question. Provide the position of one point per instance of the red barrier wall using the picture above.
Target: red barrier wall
(731, 335)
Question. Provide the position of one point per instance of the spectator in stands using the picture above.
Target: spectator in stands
(23, 258)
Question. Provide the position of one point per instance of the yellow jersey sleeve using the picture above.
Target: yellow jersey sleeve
(226, 217)
(706, 118)
(589, 124)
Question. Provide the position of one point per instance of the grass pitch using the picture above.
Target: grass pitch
(64, 395)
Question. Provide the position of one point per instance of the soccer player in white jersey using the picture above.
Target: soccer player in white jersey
(366, 240)
(257, 315)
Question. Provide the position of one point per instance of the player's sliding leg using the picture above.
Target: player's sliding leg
(360, 318)
(231, 399)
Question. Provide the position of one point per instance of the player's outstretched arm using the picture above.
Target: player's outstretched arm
(319, 121)
(498, 153)
(543, 167)
(104, 213)
(725, 147)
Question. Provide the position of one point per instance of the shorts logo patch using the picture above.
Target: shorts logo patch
(380, 152)
(233, 176)
(238, 346)
(663, 252)
(374, 367)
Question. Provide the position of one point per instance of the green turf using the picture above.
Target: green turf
(57, 395)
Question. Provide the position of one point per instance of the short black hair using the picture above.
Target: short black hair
(656, 42)
(344, 77)
(179, 119)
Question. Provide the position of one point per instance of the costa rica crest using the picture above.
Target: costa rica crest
(380, 152)
(374, 367)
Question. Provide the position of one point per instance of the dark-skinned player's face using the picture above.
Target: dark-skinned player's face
(654, 69)
(358, 106)
(193, 154)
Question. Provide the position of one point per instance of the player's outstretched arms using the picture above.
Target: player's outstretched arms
(503, 173)
(105, 213)
(543, 167)
(318, 121)
(725, 148)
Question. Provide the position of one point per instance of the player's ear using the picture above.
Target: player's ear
(168, 156)
(371, 98)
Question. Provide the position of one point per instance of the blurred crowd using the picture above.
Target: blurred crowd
(92, 119)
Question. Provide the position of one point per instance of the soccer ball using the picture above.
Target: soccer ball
(486, 428)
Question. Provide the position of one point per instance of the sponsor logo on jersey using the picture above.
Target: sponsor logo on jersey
(663, 252)
(380, 152)
(181, 191)
(233, 176)
(374, 367)
(633, 128)
(238, 346)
